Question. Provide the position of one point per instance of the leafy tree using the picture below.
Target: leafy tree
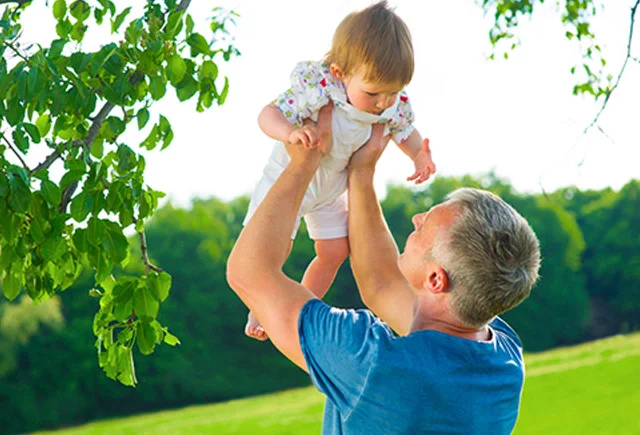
(19, 322)
(592, 74)
(612, 229)
(76, 105)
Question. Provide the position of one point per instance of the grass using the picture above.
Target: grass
(593, 388)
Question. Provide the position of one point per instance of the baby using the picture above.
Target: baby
(363, 75)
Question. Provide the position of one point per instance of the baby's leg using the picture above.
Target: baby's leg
(330, 253)
(253, 328)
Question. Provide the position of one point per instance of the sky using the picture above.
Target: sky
(516, 117)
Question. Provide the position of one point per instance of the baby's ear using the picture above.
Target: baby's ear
(336, 71)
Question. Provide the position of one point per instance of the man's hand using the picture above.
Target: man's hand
(424, 165)
(367, 156)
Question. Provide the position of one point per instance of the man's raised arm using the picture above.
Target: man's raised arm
(254, 268)
(374, 253)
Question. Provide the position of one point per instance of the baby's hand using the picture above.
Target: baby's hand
(308, 135)
(424, 165)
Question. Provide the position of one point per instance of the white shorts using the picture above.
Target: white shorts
(324, 221)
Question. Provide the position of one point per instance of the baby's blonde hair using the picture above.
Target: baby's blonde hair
(377, 40)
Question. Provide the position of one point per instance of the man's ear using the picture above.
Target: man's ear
(437, 280)
(336, 71)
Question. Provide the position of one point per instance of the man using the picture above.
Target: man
(454, 367)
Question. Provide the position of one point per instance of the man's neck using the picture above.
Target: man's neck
(450, 327)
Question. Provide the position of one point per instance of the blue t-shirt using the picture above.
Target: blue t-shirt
(425, 383)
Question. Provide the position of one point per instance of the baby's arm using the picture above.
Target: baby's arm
(418, 150)
(275, 125)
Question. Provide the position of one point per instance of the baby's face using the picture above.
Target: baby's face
(368, 96)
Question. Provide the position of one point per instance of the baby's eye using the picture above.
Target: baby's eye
(372, 94)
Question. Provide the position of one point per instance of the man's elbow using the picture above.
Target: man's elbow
(239, 276)
(244, 277)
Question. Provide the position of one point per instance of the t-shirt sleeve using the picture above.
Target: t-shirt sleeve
(401, 123)
(502, 326)
(306, 95)
(339, 347)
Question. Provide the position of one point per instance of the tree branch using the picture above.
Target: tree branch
(143, 249)
(24, 165)
(184, 4)
(18, 2)
(622, 69)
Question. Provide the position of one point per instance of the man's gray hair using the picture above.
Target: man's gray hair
(491, 256)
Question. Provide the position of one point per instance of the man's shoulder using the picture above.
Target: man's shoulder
(498, 324)
(358, 322)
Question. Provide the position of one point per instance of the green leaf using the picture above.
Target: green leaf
(126, 367)
(70, 177)
(15, 111)
(36, 231)
(77, 31)
(198, 44)
(186, 88)
(20, 196)
(81, 206)
(174, 24)
(124, 289)
(10, 224)
(157, 87)
(53, 248)
(80, 240)
(209, 69)
(21, 140)
(176, 69)
(159, 285)
(146, 338)
(145, 305)
(43, 123)
(223, 95)
(80, 10)
(56, 48)
(114, 242)
(103, 271)
(123, 310)
(152, 138)
(126, 159)
(4, 185)
(59, 9)
(117, 22)
(51, 192)
(171, 339)
(97, 148)
(32, 131)
(143, 118)
(95, 231)
(190, 24)
(12, 282)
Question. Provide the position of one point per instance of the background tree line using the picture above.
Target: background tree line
(590, 288)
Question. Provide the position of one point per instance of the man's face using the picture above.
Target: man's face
(420, 242)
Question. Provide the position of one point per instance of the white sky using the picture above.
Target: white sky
(517, 117)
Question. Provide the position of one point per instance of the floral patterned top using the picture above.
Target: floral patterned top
(312, 84)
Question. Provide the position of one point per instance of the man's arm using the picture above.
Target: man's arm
(374, 253)
(254, 268)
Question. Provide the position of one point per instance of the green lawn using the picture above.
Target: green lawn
(590, 389)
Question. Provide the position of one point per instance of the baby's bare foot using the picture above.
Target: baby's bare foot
(254, 329)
